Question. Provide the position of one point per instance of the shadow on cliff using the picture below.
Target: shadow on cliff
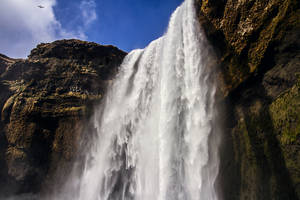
(269, 158)
(263, 163)
(8, 185)
(272, 173)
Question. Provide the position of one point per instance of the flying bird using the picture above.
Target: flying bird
(41, 6)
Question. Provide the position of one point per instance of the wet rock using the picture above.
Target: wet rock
(44, 102)
(259, 56)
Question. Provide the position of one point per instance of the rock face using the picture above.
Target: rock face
(44, 101)
(258, 44)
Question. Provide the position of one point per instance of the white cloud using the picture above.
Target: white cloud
(88, 11)
(23, 25)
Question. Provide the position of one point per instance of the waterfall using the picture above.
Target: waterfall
(156, 129)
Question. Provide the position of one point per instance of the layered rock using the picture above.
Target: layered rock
(44, 103)
(258, 45)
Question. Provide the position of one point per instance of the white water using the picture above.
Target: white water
(156, 133)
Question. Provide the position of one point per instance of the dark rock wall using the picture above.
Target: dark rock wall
(44, 103)
(259, 55)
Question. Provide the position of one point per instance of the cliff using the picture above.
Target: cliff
(44, 101)
(259, 56)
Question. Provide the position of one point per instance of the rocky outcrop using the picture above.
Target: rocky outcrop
(44, 102)
(259, 55)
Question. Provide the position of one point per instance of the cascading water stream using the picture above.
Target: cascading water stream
(156, 134)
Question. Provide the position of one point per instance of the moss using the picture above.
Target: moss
(15, 153)
(265, 163)
(285, 112)
(16, 85)
(7, 107)
(41, 119)
(257, 46)
(79, 110)
(269, 31)
(245, 138)
(248, 35)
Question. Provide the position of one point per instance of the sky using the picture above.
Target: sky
(127, 24)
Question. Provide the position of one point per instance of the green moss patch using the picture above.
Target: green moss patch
(285, 112)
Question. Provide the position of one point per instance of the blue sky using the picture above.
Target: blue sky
(127, 24)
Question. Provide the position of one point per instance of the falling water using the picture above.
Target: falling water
(156, 132)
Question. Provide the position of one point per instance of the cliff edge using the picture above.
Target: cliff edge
(259, 56)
